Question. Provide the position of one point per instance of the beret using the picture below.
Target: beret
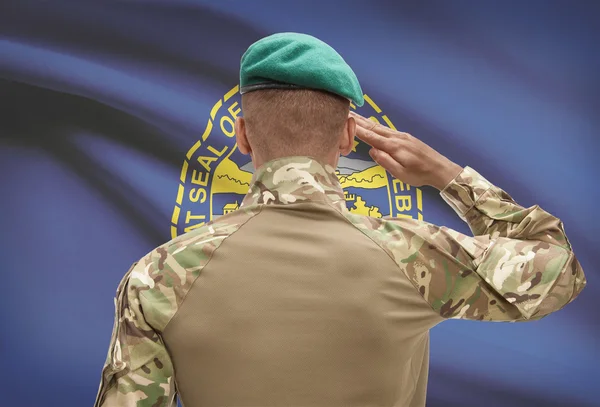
(297, 61)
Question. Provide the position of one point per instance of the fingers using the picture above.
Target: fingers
(374, 139)
(371, 125)
(385, 143)
(363, 122)
(386, 161)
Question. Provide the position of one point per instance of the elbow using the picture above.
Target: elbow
(576, 277)
(569, 284)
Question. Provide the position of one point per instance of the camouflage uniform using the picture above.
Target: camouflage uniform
(294, 301)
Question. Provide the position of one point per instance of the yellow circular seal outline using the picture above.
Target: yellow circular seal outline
(204, 158)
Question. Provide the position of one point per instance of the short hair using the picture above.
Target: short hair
(287, 122)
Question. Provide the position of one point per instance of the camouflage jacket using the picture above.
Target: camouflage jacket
(518, 266)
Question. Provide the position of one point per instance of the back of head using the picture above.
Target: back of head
(288, 122)
(296, 92)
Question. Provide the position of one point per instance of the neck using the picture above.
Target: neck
(331, 159)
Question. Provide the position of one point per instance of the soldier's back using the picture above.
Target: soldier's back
(297, 306)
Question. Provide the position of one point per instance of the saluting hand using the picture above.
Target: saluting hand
(404, 156)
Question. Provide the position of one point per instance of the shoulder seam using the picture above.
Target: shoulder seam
(395, 262)
(367, 236)
(260, 207)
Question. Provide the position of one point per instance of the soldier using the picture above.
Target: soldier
(292, 300)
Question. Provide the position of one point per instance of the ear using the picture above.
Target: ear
(241, 137)
(347, 139)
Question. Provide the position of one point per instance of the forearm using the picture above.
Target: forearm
(488, 210)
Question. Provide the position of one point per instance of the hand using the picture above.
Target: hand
(404, 156)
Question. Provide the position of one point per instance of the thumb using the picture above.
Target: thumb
(388, 162)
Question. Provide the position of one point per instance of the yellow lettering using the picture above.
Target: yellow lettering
(195, 194)
(397, 183)
(197, 178)
(231, 132)
(406, 203)
(189, 217)
(400, 215)
(232, 112)
(205, 161)
(375, 119)
(215, 152)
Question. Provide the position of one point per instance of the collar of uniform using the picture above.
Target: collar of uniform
(295, 179)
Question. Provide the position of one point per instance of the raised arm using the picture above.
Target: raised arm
(518, 266)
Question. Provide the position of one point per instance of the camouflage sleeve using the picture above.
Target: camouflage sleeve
(518, 266)
(138, 370)
(523, 262)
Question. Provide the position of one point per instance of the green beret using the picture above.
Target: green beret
(296, 61)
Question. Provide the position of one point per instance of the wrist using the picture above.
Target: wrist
(446, 174)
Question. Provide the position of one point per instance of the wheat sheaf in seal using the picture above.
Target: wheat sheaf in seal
(215, 176)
